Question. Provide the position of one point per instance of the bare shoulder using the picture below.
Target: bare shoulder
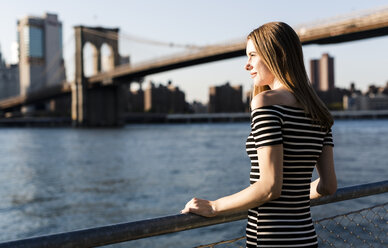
(265, 98)
(274, 97)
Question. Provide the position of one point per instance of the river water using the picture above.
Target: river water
(63, 179)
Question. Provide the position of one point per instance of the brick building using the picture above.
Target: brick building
(164, 99)
(225, 98)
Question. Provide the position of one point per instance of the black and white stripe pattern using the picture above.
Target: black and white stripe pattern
(285, 221)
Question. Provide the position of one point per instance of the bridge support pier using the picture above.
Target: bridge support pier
(100, 104)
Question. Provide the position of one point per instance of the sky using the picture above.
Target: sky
(205, 22)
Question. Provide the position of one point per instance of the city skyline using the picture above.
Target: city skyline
(361, 62)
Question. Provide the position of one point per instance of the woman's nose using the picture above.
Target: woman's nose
(248, 67)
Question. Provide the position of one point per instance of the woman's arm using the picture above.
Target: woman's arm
(326, 184)
(267, 188)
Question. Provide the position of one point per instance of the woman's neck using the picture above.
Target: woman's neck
(276, 84)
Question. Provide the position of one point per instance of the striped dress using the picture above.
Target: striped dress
(285, 221)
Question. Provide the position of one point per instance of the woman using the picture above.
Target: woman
(290, 135)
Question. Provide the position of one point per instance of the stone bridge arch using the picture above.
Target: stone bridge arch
(97, 36)
(96, 105)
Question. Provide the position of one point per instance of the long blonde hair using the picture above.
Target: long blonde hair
(280, 48)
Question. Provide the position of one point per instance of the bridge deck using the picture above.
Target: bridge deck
(369, 26)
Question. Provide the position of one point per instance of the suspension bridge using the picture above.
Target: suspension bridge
(97, 100)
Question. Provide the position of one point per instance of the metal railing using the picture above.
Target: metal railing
(366, 227)
(117, 233)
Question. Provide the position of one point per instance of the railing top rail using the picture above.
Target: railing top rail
(117, 233)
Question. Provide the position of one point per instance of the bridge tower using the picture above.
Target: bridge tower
(100, 104)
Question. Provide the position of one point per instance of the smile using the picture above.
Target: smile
(253, 74)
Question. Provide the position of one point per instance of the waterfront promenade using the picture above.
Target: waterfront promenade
(182, 118)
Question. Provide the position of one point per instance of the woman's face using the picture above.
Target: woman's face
(255, 65)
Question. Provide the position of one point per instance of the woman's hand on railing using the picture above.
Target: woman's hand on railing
(200, 207)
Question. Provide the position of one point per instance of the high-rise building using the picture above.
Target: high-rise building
(225, 98)
(9, 79)
(326, 75)
(2, 62)
(314, 73)
(40, 52)
(322, 73)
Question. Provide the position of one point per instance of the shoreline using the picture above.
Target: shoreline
(159, 118)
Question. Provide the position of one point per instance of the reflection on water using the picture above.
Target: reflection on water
(63, 179)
